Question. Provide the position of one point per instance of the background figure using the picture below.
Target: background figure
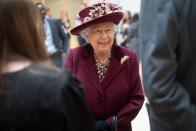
(168, 48)
(133, 36)
(109, 73)
(65, 23)
(56, 40)
(81, 40)
(48, 13)
(129, 31)
(35, 96)
(126, 28)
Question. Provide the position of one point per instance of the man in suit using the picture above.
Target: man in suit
(168, 46)
(56, 39)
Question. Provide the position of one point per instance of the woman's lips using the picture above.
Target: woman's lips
(103, 43)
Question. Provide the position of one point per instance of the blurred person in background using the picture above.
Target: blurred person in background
(109, 73)
(56, 40)
(126, 28)
(48, 13)
(168, 46)
(130, 31)
(65, 23)
(34, 95)
(81, 40)
(134, 34)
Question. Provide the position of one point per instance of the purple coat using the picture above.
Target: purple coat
(120, 93)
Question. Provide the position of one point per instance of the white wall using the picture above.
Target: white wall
(132, 5)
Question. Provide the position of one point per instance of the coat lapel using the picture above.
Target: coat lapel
(114, 67)
(91, 72)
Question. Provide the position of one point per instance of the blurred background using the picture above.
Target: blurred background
(72, 7)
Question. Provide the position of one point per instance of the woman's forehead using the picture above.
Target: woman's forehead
(102, 25)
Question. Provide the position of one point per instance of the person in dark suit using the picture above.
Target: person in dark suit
(108, 72)
(35, 95)
(56, 40)
(168, 48)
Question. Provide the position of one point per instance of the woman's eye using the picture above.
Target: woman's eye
(98, 31)
(108, 30)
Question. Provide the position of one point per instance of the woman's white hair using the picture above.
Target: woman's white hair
(85, 32)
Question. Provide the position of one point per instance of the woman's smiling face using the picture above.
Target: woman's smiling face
(101, 37)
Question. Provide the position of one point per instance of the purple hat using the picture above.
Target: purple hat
(98, 13)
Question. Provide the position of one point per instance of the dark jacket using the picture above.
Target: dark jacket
(43, 99)
(60, 38)
(168, 49)
(120, 93)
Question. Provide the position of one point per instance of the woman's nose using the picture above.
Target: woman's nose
(103, 34)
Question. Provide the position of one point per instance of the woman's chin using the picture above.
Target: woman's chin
(104, 47)
(104, 50)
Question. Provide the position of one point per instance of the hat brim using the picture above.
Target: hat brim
(114, 17)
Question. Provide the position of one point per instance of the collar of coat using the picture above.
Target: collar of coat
(117, 52)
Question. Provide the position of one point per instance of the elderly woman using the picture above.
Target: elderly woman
(108, 72)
